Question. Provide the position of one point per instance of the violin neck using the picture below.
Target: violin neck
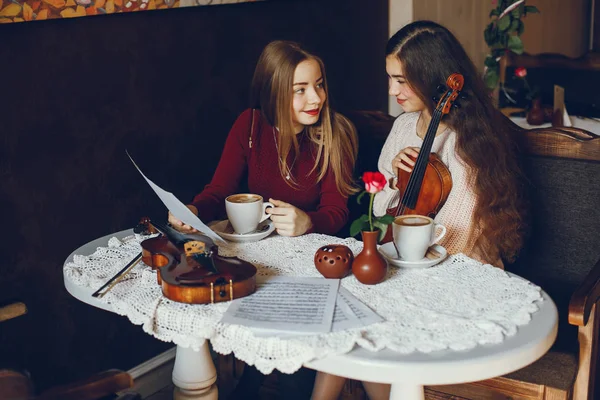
(411, 193)
(174, 236)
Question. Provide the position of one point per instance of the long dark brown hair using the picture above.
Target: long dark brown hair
(429, 53)
(334, 135)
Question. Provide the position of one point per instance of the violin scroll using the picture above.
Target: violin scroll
(144, 227)
(455, 83)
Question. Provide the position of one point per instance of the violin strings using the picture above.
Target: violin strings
(420, 165)
(426, 149)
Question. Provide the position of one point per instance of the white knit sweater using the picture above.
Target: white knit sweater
(457, 213)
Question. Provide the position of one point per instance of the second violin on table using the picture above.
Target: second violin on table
(190, 270)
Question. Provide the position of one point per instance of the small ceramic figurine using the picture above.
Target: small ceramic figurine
(334, 261)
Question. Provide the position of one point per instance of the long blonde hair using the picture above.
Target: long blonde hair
(334, 135)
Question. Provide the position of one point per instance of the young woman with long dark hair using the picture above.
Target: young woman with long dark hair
(484, 213)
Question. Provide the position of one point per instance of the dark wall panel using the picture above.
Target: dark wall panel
(167, 85)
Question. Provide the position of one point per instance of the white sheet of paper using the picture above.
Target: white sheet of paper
(178, 209)
(566, 118)
(349, 312)
(352, 313)
(286, 304)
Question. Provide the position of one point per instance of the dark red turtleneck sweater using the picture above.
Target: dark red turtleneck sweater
(326, 207)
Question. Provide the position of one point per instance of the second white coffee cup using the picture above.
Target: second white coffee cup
(245, 211)
(414, 234)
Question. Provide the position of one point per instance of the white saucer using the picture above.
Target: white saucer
(224, 229)
(389, 252)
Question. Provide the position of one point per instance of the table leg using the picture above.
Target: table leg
(194, 374)
(403, 391)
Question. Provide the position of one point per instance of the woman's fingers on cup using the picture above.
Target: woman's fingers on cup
(274, 211)
(279, 203)
(279, 220)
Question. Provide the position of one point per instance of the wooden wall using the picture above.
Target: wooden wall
(465, 18)
(562, 27)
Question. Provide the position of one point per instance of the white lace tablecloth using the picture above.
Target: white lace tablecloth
(457, 304)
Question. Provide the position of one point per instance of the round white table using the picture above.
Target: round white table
(409, 373)
(194, 373)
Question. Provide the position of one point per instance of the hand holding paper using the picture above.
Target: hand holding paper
(178, 209)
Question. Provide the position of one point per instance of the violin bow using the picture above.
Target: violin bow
(117, 277)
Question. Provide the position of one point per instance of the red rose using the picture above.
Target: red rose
(521, 72)
(374, 181)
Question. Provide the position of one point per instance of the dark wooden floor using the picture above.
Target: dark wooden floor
(268, 392)
(167, 394)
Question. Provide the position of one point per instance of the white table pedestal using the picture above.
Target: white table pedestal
(194, 374)
(403, 391)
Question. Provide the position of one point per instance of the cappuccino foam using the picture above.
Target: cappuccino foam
(243, 198)
(412, 221)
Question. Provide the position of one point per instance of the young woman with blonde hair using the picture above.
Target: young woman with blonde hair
(294, 151)
(291, 146)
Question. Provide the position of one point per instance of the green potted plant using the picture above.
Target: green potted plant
(503, 35)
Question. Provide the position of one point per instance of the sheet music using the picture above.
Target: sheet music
(178, 209)
(300, 305)
(351, 313)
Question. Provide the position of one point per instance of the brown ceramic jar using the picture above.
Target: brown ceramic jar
(334, 261)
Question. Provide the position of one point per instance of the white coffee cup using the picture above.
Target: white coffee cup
(245, 211)
(414, 234)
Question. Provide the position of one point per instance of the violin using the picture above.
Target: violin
(425, 190)
(189, 268)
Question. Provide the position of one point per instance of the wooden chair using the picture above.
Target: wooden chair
(17, 385)
(562, 255)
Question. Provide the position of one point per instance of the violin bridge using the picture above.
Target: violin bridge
(194, 247)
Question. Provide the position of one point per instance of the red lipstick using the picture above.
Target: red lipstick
(312, 112)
